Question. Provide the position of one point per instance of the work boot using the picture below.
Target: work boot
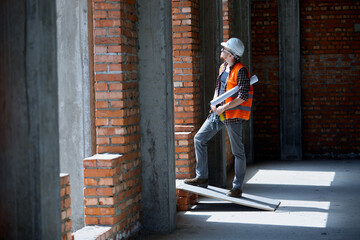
(235, 192)
(200, 182)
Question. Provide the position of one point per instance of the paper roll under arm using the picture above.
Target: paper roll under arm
(231, 92)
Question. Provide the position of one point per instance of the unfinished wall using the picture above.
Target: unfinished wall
(228, 18)
(331, 71)
(265, 62)
(330, 60)
(186, 75)
(109, 195)
(187, 99)
(66, 217)
(117, 108)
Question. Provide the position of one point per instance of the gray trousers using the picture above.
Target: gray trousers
(201, 139)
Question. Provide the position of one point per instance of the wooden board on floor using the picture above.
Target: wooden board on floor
(220, 193)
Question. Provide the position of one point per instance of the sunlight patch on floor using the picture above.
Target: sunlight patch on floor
(295, 219)
(291, 213)
(287, 177)
(306, 204)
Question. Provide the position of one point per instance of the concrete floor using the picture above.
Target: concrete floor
(319, 200)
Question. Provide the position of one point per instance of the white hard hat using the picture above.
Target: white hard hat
(235, 45)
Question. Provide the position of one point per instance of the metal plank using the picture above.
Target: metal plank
(249, 196)
(220, 193)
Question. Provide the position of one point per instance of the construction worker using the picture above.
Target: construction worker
(231, 113)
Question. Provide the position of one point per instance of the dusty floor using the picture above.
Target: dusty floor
(319, 200)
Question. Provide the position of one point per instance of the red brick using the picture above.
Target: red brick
(67, 202)
(65, 180)
(68, 225)
(107, 182)
(109, 77)
(91, 220)
(101, 86)
(102, 104)
(105, 131)
(98, 172)
(100, 68)
(105, 191)
(183, 200)
(106, 201)
(117, 104)
(107, 6)
(89, 163)
(108, 58)
(90, 182)
(185, 207)
(99, 14)
(109, 95)
(62, 192)
(100, 32)
(114, 14)
(108, 220)
(102, 140)
(89, 192)
(109, 113)
(90, 201)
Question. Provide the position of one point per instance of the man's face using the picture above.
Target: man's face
(225, 54)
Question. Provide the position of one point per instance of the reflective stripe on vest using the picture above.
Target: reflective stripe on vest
(244, 108)
(242, 111)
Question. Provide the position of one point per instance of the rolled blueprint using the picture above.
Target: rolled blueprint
(231, 92)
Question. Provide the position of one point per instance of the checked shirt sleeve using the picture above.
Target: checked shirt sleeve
(243, 82)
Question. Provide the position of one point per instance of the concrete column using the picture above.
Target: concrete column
(29, 139)
(74, 98)
(210, 39)
(290, 80)
(242, 30)
(157, 115)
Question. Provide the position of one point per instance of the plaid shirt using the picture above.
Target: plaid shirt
(243, 82)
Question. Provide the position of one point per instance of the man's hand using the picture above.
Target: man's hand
(213, 108)
(219, 110)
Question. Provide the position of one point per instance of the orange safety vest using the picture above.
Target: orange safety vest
(242, 111)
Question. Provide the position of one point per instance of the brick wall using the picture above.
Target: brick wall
(185, 161)
(227, 19)
(116, 84)
(111, 194)
(186, 62)
(331, 73)
(66, 222)
(186, 75)
(185, 199)
(117, 108)
(265, 63)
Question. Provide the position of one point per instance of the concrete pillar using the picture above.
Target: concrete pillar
(242, 30)
(74, 98)
(157, 115)
(290, 80)
(210, 39)
(29, 139)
